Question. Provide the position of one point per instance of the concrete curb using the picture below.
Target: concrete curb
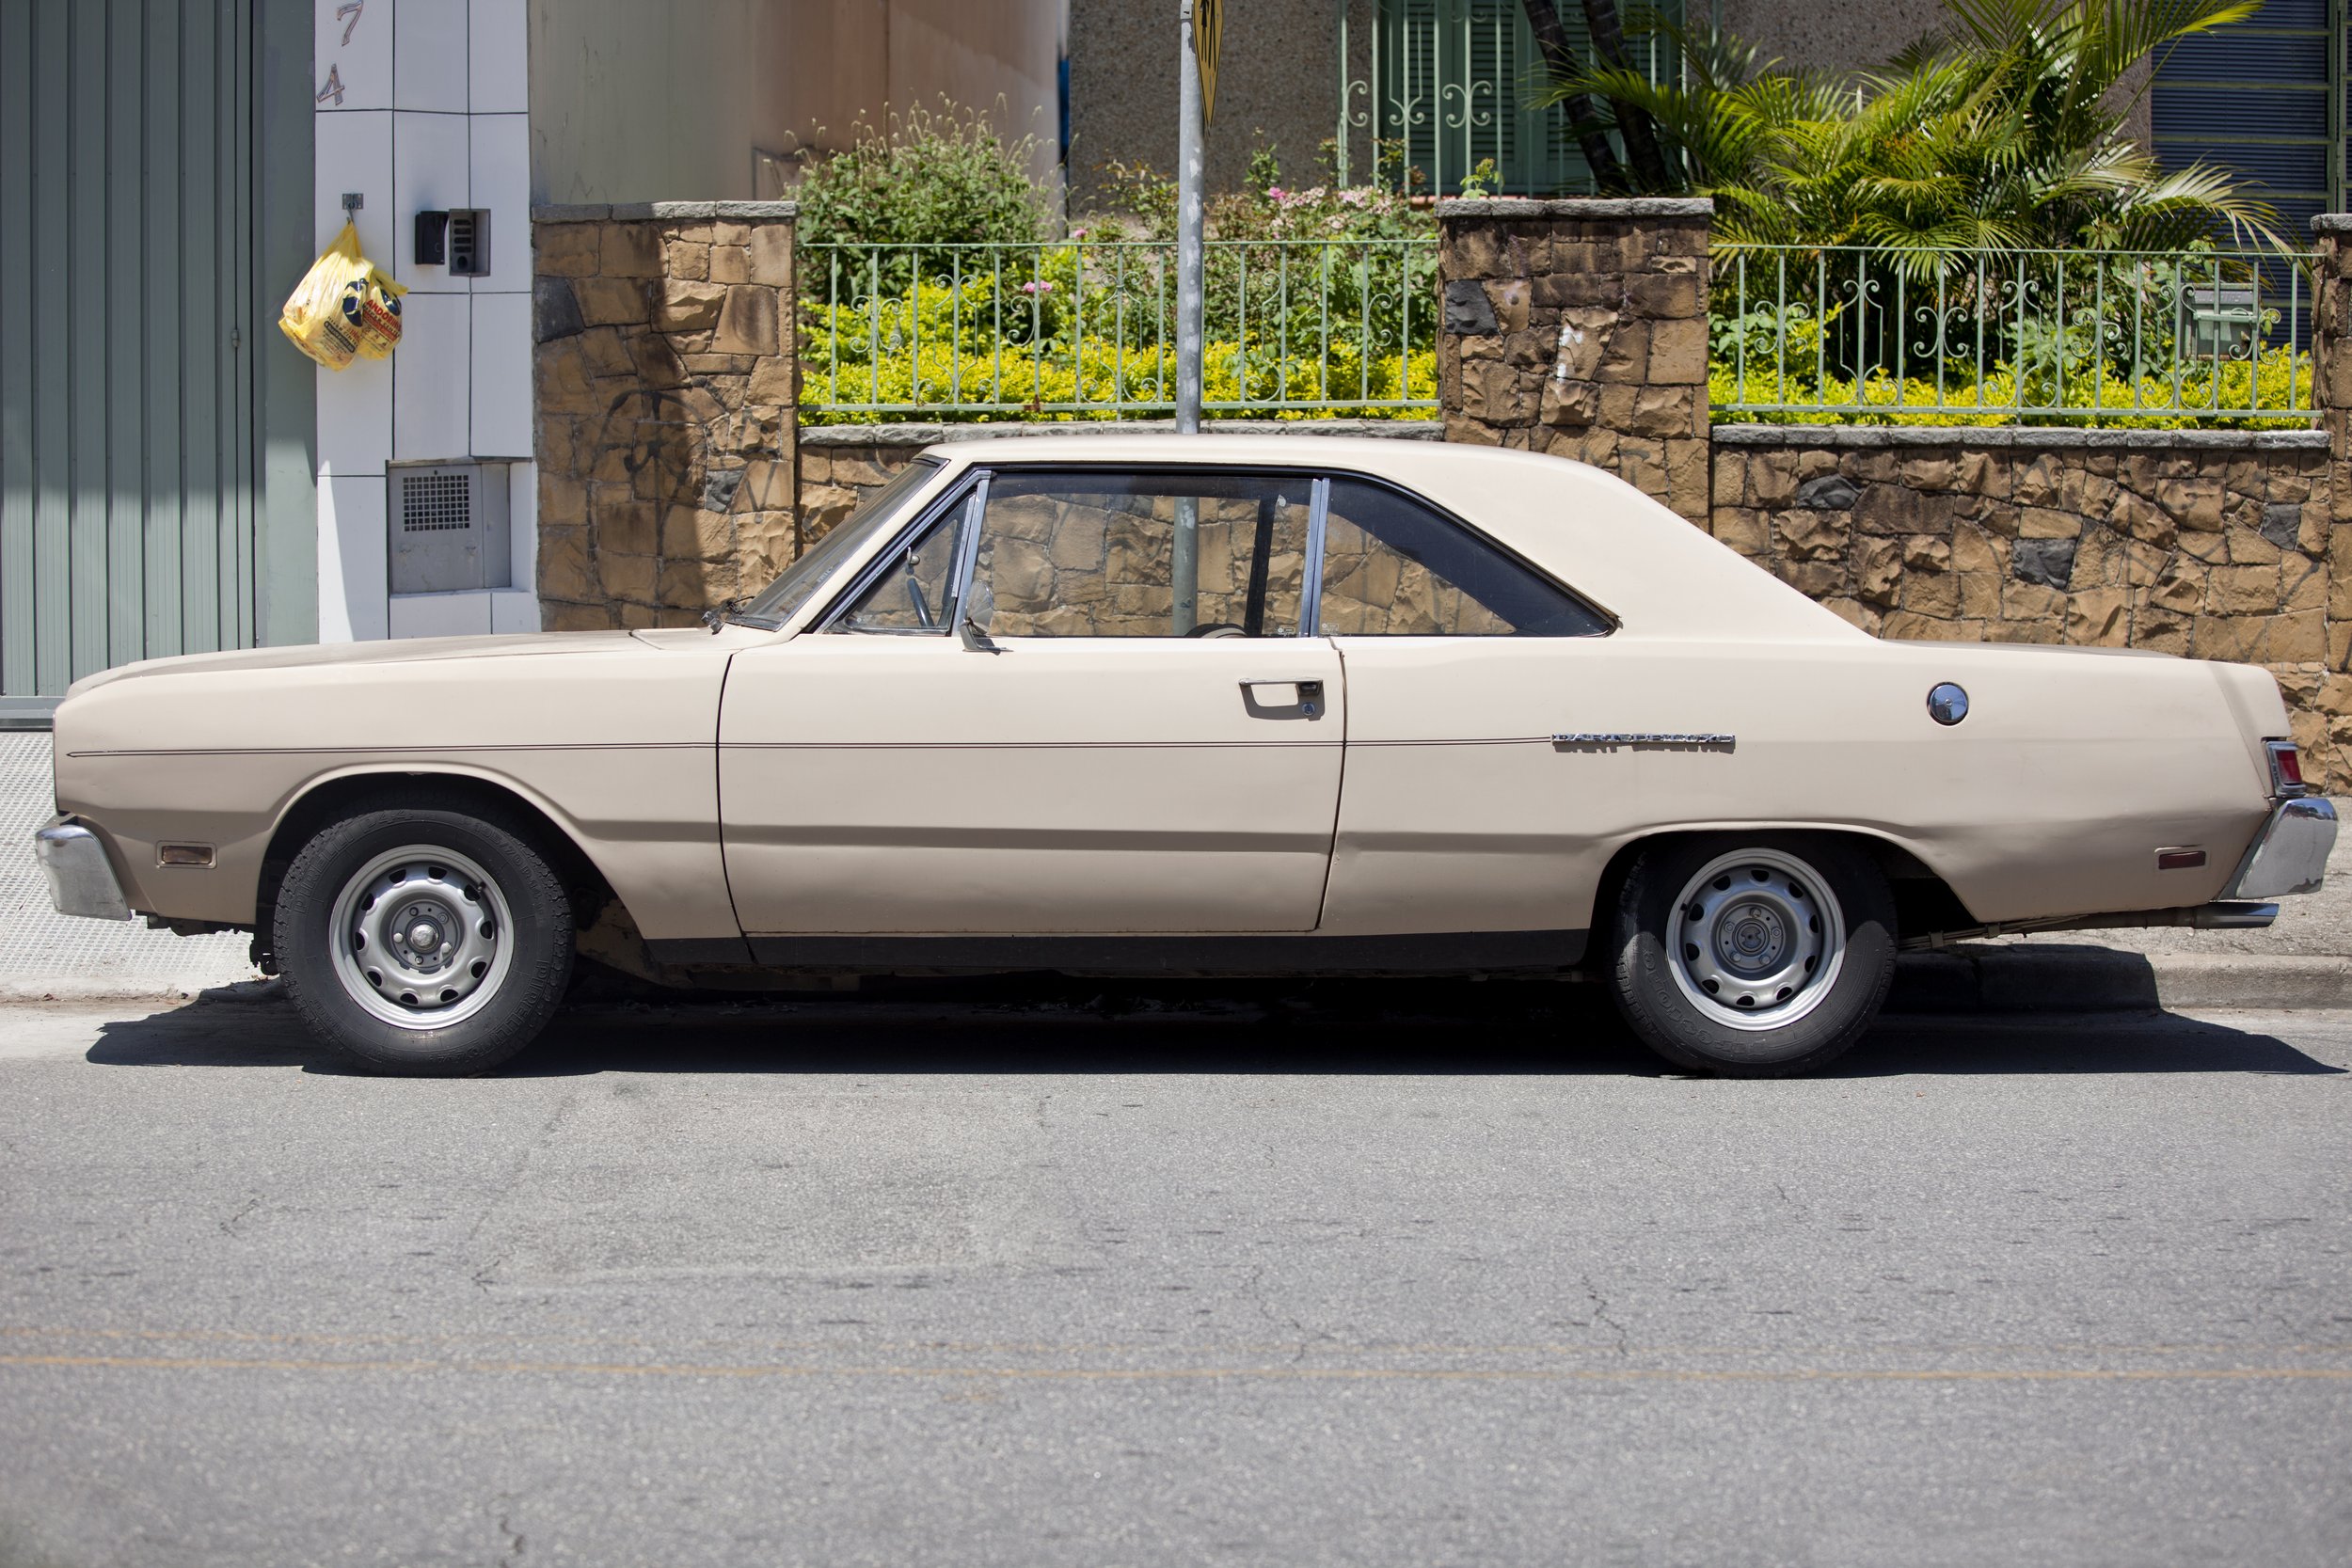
(1969, 978)
(1982, 978)
(83, 989)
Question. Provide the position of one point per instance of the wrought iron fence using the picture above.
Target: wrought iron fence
(1085, 329)
(1865, 335)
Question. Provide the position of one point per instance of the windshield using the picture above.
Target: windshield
(794, 586)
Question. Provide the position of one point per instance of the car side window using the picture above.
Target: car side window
(1394, 567)
(1139, 554)
(909, 596)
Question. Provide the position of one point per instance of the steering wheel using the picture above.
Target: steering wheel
(1217, 628)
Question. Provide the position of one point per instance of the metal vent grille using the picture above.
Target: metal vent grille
(431, 502)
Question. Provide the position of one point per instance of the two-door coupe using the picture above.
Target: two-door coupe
(1185, 705)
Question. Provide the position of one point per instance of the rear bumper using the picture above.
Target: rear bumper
(2290, 854)
(81, 879)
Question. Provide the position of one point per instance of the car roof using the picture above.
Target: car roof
(1657, 573)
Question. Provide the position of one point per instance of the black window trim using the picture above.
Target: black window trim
(959, 493)
(883, 560)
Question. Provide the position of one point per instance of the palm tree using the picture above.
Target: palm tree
(2002, 132)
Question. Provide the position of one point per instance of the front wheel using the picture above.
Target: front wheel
(1761, 956)
(424, 940)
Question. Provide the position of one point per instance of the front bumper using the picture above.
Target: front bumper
(81, 879)
(2290, 854)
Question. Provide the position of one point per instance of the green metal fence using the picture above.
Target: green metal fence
(1085, 329)
(1865, 335)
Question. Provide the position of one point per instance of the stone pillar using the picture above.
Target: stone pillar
(2331, 394)
(665, 379)
(1579, 328)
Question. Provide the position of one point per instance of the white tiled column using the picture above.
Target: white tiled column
(432, 114)
(500, 401)
(352, 150)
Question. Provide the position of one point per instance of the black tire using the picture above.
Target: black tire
(525, 986)
(1649, 991)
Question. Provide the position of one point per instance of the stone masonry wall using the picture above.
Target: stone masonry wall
(1579, 328)
(2206, 544)
(664, 373)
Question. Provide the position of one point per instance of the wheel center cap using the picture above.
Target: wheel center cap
(424, 937)
(1752, 938)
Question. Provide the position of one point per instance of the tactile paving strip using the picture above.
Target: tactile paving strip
(39, 947)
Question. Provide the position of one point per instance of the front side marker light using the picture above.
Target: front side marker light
(198, 855)
(2180, 859)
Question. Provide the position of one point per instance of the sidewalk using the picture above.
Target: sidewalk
(2305, 960)
(44, 954)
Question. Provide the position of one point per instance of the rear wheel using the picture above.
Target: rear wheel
(424, 940)
(1763, 955)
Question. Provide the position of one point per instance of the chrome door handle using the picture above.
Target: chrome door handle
(1309, 693)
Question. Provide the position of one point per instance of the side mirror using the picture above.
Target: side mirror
(980, 605)
(968, 631)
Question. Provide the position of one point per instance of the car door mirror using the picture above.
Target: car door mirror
(968, 631)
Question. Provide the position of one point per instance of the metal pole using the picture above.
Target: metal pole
(1184, 550)
(1189, 224)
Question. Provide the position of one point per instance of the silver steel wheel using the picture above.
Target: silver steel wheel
(1755, 938)
(422, 936)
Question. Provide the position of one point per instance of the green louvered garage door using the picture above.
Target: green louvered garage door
(127, 334)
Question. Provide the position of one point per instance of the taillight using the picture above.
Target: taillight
(2286, 769)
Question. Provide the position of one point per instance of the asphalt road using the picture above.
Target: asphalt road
(1414, 1277)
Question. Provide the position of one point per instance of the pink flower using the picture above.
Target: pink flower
(1077, 233)
(1037, 287)
(1274, 193)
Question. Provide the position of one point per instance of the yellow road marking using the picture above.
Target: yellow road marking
(1537, 1374)
(1288, 1347)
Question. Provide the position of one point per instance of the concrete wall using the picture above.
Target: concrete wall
(1829, 35)
(1859, 34)
(631, 101)
(1278, 82)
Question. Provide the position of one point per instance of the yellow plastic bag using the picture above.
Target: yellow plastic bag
(343, 307)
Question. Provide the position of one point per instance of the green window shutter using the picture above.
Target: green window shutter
(1451, 81)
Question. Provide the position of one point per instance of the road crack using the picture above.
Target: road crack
(1600, 1314)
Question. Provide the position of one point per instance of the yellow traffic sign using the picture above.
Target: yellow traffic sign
(1208, 29)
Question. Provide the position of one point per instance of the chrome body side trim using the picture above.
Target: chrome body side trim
(2198, 917)
(2290, 854)
(81, 881)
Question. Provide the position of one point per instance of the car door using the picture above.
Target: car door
(1069, 700)
(1463, 665)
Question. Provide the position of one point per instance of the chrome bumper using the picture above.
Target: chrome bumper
(2290, 854)
(80, 879)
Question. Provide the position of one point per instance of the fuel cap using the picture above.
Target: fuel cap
(1947, 703)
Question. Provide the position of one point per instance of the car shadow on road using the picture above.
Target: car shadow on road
(1046, 1026)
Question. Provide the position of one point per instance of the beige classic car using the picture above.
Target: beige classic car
(1210, 705)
